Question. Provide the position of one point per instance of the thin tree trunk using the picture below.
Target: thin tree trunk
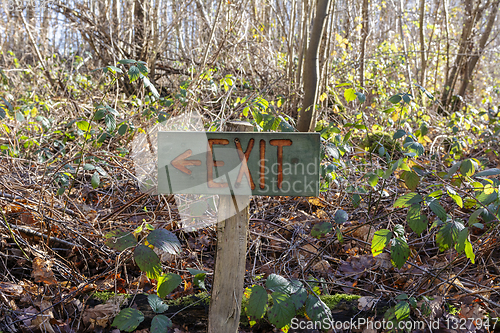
(423, 57)
(307, 117)
(365, 31)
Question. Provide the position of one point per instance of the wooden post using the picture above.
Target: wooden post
(230, 262)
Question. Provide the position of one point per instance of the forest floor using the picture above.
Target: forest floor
(54, 261)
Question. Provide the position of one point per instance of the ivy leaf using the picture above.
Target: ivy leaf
(282, 311)
(148, 261)
(157, 304)
(133, 73)
(320, 229)
(120, 240)
(416, 220)
(408, 200)
(164, 240)
(128, 319)
(380, 240)
(160, 324)
(257, 302)
(400, 251)
(167, 283)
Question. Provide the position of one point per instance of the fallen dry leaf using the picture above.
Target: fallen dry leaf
(42, 272)
(366, 303)
(11, 289)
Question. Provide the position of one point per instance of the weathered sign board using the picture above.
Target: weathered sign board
(239, 163)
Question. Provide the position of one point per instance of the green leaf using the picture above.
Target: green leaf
(133, 73)
(350, 95)
(151, 87)
(402, 310)
(415, 148)
(276, 282)
(373, 180)
(469, 251)
(257, 302)
(199, 277)
(340, 217)
(394, 99)
(462, 238)
(167, 283)
(95, 180)
(380, 240)
(320, 229)
(83, 125)
(436, 207)
(408, 200)
(316, 309)
(458, 199)
(489, 172)
(453, 169)
(282, 311)
(127, 61)
(20, 117)
(160, 324)
(122, 129)
(88, 167)
(416, 220)
(467, 168)
(402, 296)
(110, 121)
(407, 98)
(143, 68)
(400, 251)
(361, 97)
(120, 240)
(474, 216)
(411, 180)
(157, 304)
(164, 240)
(448, 234)
(114, 69)
(399, 134)
(128, 319)
(148, 261)
(299, 297)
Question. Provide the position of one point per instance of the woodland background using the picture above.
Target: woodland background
(405, 95)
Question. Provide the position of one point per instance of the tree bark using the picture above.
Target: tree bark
(365, 31)
(307, 117)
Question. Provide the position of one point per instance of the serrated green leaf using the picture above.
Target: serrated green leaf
(469, 252)
(148, 261)
(415, 147)
(157, 304)
(448, 234)
(474, 216)
(167, 283)
(399, 134)
(128, 319)
(400, 251)
(320, 229)
(350, 95)
(436, 207)
(402, 310)
(257, 302)
(407, 200)
(114, 69)
(467, 168)
(164, 240)
(276, 282)
(160, 324)
(402, 296)
(416, 219)
(411, 180)
(299, 297)
(462, 238)
(95, 180)
(282, 311)
(133, 73)
(380, 240)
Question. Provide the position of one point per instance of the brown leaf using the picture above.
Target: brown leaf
(11, 289)
(42, 272)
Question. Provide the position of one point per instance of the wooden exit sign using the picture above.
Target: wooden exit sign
(240, 163)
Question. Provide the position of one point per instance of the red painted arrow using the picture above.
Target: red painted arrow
(180, 162)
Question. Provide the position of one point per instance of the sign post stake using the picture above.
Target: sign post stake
(229, 273)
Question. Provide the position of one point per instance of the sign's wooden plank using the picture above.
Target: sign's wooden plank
(239, 163)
